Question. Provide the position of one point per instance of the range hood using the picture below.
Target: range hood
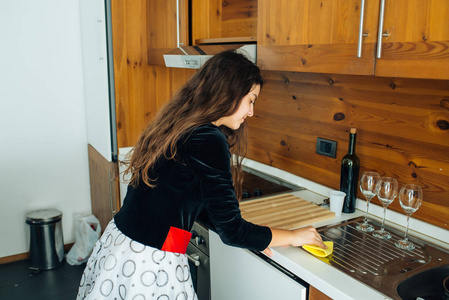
(194, 57)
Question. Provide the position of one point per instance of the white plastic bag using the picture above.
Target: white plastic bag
(87, 233)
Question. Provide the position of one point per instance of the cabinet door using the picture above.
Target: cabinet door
(162, 21)
(143, 30)
(96, 85)
(219, 21)
(418, 41)
(315, 294)
(103, 187)
(238, 274)
(316, 36)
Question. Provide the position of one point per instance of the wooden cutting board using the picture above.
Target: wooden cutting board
(284, 211)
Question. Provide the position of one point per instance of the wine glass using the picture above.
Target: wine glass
(368, 184)
(387, 190)
(410, 198)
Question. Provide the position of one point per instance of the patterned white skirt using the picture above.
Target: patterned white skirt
(120, 268)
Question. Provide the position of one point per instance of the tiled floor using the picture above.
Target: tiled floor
(17, 282)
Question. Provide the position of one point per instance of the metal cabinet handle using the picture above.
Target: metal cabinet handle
(178, 29)
(194, 259)
(100, 41)
(113, 211)
(381, 27)
(362, 16)
(178, 21)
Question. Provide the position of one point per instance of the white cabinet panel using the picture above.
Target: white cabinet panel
(95, 64)
(240, 275)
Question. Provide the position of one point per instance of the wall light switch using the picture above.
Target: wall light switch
(326, 147)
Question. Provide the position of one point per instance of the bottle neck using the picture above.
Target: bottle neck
(351, 147)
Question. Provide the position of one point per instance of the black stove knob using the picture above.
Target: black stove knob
(199, 240)
(257, 192)
(246, 195)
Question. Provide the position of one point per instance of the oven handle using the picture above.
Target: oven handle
(194, 259)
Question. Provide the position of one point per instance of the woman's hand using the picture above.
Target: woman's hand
(307, 236)
(268, 252)
(297, 237)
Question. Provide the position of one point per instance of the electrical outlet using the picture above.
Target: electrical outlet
(326, 147)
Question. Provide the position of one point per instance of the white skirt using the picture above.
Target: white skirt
(120, 268)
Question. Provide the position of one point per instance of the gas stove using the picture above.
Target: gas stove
(257, 184)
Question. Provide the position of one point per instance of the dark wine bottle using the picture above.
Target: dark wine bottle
(349, 176)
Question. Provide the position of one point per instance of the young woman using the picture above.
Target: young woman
(181, 171)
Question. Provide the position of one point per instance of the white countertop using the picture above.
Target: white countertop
(317, 273)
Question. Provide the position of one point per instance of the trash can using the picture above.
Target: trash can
(46, 239)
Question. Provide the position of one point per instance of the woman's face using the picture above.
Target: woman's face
(246, 109)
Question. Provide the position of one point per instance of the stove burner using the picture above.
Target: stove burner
(257, 184)
(257, 192)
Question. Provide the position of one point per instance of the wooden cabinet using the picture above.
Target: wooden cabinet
(315, 36)
(161, 28)
(315, 294)
(103, 187)
(142, 82)
(322, 37)
(209, 22)
(418, 41)
(224, 21)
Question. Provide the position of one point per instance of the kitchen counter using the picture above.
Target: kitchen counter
(322, 276)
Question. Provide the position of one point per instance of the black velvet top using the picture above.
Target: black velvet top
(197, 185)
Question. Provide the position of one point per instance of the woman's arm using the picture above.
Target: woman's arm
(298, 237)
(209, 159)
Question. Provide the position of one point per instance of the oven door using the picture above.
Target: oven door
(200, 271)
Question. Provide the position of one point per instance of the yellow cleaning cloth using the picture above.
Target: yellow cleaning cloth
(317, 251)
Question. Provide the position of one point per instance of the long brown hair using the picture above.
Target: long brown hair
(215, 91)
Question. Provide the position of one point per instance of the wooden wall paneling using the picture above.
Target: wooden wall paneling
(403, 130)
(178, 78)
(316, 36)
(151, 88)
(418, 45)
(348, 92)
(279, 150)
(163, 83)
(141, 87)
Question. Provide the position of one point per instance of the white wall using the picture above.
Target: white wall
(43, 142)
